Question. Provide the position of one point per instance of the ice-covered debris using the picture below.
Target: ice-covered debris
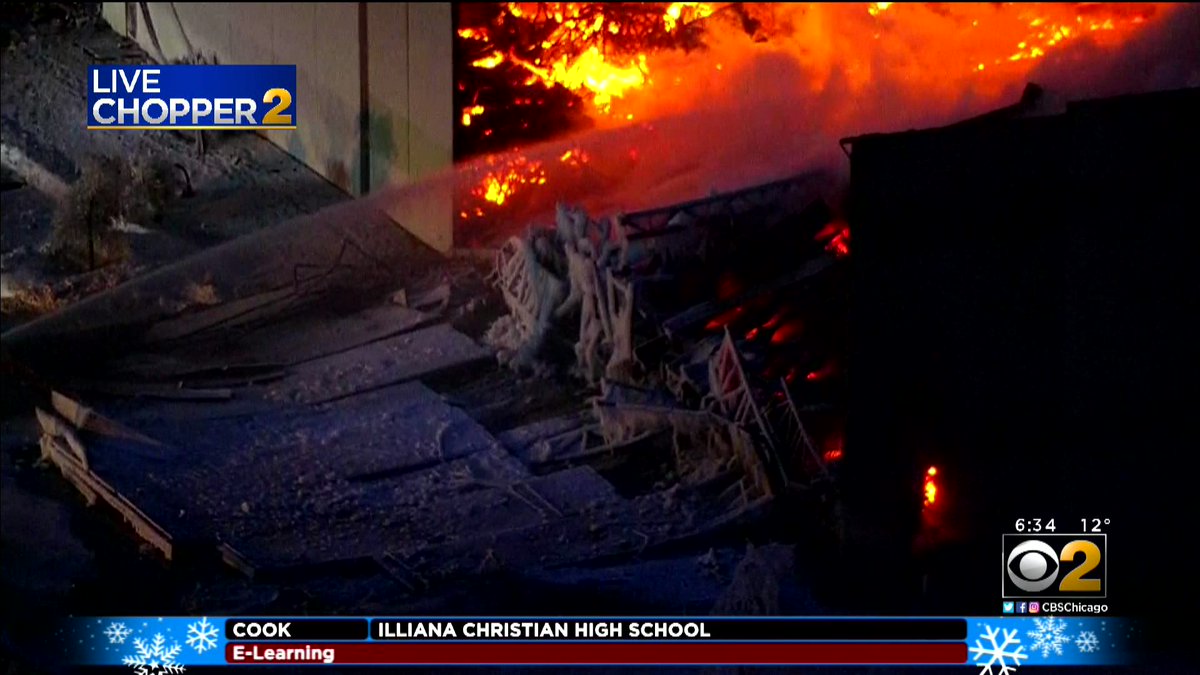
(432, 300)
(551, 276)
(121, 225)
(759, 582)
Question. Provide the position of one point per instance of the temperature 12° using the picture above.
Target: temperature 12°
(1094, 524)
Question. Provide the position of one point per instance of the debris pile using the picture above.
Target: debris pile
(718, 323)
(112, 197)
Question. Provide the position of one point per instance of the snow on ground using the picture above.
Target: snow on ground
(242, 183)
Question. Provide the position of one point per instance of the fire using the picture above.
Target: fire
(501, 183)
(721, 320)
(469, 112)
(488, 62)
(585, 45)
(604, 51)
(590, 71)
(822, 373)
(788, 332)
(931, 488)
(684, 12)
(619, 64)
(836, 236)
(875, 8)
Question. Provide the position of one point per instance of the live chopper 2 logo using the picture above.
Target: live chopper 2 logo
(1060, 566)
(192, 97)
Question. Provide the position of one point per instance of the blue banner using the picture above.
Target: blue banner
(192, 97)
(992, 643)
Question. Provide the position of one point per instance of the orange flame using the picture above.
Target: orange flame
(624, 72)
(585, 65)
(931, 488)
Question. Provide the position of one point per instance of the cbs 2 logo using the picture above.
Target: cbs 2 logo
(1033, 565)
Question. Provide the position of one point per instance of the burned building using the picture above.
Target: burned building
(656, 350)
(1021, 285)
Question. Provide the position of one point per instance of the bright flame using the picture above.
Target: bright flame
(577, 52)
(499, 184)
(687, 11)
(489, 62)
(836, 61)
(469, 112)
(589, 71)
(931, 488)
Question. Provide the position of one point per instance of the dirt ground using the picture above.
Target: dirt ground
(242, 183)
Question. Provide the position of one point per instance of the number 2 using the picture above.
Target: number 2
(1074, 581)
(273, 115)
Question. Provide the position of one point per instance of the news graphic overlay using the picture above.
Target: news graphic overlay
(173, 644)
(191, 97)
(1040, 561)
(1002, 645)
(151, 646)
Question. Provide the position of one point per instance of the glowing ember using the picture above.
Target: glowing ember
(833, 455)
(836, 236)
(788, 332)
(821, 373)
(498, 185)
(722, 320)
(489, 62)
(469, 112)
(931, 488)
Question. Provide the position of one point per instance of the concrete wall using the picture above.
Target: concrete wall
(374, 100)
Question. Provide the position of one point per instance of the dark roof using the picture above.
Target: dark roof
(1126, 104)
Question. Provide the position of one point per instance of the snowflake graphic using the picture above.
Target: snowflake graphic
(202, 635)
(999, 651)
(1049, 635)
(117, 632)
(154, 657)
(1087, 642)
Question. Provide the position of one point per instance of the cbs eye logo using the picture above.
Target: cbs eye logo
(1049, 565)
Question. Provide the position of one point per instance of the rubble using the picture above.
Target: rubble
(617, 289)
(315, 418)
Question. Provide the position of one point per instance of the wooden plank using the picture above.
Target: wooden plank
(160, 391)
(93, 487)
(85, 418)
(224, 314)
(56, 427)
(385, 363)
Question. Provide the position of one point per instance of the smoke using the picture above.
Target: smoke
(1165, 56)
(758, 105)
